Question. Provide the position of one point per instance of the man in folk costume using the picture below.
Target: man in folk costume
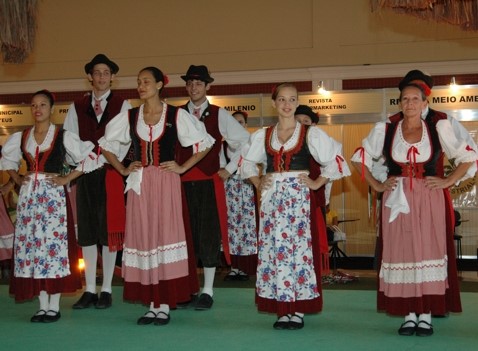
(100, 200)
(203, 184)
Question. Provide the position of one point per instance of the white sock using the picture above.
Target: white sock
(165, 309)
(285, 318)
(54, 302)
(209, 273)
(297, 317)
(234, 271)
(90, 255)
(411, 317)
(109, 260)
(154, 309)
(43, 299)
(425, 317)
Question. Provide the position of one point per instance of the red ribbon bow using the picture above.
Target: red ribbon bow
(339, 159)
(37, 161)
(362, 156)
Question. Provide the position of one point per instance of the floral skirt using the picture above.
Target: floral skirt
(241, 217)
(288, 272)
(45, 254)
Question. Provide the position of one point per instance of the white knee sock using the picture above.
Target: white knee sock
(109, 260)
(90, 255)
(154, 309)
(43, 299)
(297, 317)
(411, 317)
(163, 308)
(285, 318)
(54, 302)
(425, 317)
(209, 273)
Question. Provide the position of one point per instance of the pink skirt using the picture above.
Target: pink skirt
(417, 261)
(6, 233)
(155, 251)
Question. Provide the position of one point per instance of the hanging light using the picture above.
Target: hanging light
(321, 89)
(453, 86)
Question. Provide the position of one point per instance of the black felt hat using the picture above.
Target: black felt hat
(199, 73)
(416, 75)
(101, 58)
(306, 110)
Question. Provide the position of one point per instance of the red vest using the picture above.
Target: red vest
(89, 127)
(209, 165)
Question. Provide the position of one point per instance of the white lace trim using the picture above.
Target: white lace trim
(290, 143)
(416, 273)
(154, 258)
(6, 241)
(46, 143)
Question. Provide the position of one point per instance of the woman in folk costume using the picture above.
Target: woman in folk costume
(45, 262)
(417, 277)
(288, 272)
(241, 217)
(155, 254)
(6, 225)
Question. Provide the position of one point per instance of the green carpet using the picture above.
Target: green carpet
(349, 321)
(361, 283)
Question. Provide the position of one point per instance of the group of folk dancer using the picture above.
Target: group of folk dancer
(192, 176)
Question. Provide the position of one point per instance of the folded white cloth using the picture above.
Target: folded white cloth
(397, 201)
(134, 181)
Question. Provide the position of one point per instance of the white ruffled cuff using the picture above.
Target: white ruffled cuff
(111, 146)
(6, 165)
(248, 169)
(90, 163)
(204, 144)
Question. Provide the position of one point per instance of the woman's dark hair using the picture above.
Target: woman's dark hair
(158, 75)
(242, 113)
(46, 93)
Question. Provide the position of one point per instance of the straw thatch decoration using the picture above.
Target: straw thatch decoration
(463, 13)
(17, 29)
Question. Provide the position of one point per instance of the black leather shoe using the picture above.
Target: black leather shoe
(204, 302)
(236, 276)
(52, 317)
(281, 324)
(294, 324)
(104, 301)
(408, 328)
(86, 300)
(424, 331)
(243, 277)
(148, 318)
(188, 304)
(38, 317)
(162, 321)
